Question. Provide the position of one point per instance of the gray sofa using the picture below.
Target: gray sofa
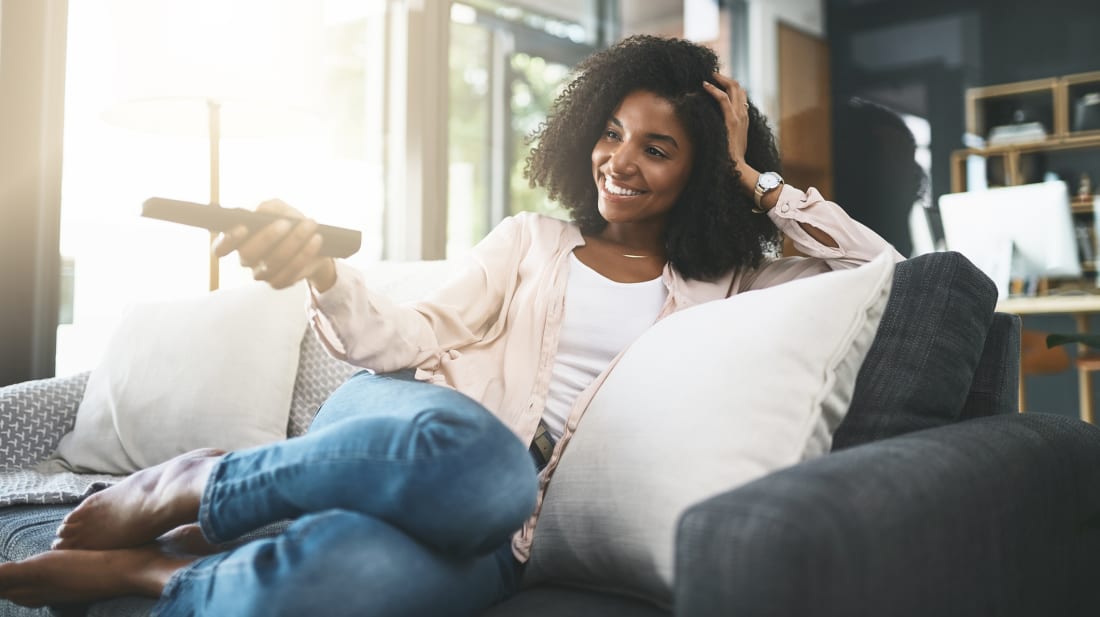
(937, 500)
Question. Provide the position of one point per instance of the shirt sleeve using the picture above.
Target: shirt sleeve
(367, 329)
(856, 243)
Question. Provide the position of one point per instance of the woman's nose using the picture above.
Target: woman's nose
(621, 162)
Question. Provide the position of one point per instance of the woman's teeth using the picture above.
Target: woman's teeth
(614, 189)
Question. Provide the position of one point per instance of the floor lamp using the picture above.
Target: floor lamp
(200, 116)
(214, 133)
(258, 73)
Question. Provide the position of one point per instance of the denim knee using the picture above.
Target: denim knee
(481, 479)
(492, 484)
(449, 471)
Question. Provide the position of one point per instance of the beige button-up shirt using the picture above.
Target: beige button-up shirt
(492, 331)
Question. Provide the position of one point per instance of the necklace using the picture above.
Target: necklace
(637, 256)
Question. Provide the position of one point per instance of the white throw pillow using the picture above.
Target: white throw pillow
(214, 371)
(706, 400)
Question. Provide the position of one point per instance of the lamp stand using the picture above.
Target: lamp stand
(214, 109)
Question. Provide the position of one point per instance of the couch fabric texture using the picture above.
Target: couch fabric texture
(978, 510)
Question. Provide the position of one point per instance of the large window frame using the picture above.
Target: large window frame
(32, 94)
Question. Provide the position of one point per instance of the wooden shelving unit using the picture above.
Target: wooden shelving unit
(1050, 103)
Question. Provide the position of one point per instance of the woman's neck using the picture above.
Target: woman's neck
(634, 240)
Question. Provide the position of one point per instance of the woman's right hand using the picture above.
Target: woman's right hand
(281, 253)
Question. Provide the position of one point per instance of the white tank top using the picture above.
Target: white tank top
(602, 317)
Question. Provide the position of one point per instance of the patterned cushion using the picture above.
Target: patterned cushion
(29, 486)
(318, 375)
(33, 417)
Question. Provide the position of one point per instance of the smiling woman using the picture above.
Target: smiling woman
(640, 164)
(658, 159)
(645, 97)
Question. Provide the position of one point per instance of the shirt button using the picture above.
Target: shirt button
(784, 208)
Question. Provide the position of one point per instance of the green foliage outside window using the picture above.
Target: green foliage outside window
(535, 85)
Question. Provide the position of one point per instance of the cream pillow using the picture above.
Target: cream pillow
(707, 399)
(214, 371)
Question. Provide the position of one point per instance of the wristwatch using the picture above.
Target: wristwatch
(766, 183)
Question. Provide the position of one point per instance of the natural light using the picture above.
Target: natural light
(300, 86)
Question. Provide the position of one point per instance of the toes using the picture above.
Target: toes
(68, 536)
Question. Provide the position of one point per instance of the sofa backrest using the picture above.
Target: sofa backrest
(941, 353)
(319, 373)
(939, 356)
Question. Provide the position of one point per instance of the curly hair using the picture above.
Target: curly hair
(711, 228)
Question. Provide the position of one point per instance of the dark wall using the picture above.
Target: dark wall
(920, 57)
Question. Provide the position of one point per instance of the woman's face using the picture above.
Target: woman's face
(642, 160)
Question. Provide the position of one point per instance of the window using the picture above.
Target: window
(334, 106)
(302, 120)
(508, 61)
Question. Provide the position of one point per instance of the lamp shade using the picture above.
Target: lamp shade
(261, 61)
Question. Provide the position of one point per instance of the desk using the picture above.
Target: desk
(1078, 306)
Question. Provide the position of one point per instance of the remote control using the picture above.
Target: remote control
(336, 241)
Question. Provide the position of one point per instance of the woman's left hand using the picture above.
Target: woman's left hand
(734, 102)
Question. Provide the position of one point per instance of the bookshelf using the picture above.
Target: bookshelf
(1019, 124)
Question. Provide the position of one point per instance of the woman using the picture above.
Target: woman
(413, 499)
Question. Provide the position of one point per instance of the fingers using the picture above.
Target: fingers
(284, 270)
(228, 242)
(231, 240)
(722, 98)
(734, 103)
(280, 253)
(731, 96)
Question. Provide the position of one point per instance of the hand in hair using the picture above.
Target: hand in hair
(734, 102)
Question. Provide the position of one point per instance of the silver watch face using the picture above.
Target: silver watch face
(768, 181)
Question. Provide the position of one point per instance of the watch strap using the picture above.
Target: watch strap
(759, 191)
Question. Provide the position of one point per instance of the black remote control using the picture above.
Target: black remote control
(336, 241)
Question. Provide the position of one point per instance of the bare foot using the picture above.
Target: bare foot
(76, 577)
(187, 540)
(140, 508)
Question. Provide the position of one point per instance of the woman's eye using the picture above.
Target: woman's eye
(610, 134)
(655, 152)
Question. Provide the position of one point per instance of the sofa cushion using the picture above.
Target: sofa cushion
(709, 398)
(920, 368)
(996, 386)
(34, 415)
(552, 601)
(26, 531)
(212, 371)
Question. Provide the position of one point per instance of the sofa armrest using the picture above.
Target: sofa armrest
(34, 415)
(994, 516)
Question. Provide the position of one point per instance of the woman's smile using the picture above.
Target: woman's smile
(642, 160)
(614, 190)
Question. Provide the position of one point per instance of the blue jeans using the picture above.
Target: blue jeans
(404, 497)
